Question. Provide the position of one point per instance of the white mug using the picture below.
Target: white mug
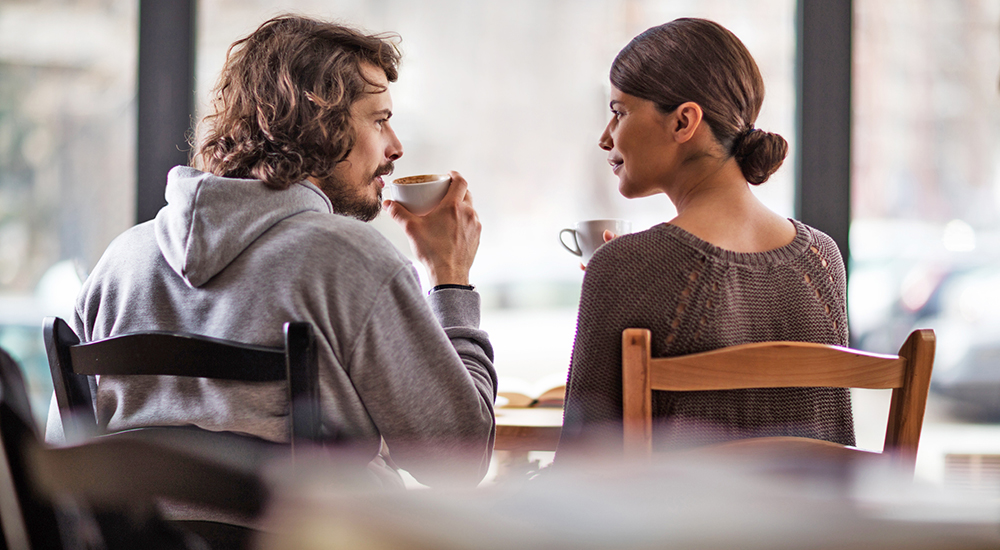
(589, 236)
(419, 194)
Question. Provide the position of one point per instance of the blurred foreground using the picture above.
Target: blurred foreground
(690, 501)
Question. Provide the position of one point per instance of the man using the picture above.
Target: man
(268, 231)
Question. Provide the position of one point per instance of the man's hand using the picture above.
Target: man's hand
(446, 238)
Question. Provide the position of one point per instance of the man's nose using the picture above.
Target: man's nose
(394, 149)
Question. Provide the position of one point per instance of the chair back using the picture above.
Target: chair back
(26, 518)
(50, 496)
(774, 365)
(181, 354)
(139, 467)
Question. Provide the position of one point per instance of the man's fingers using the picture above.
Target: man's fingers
(458, 188)
(397, 211)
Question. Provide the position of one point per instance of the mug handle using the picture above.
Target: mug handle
(576, 246)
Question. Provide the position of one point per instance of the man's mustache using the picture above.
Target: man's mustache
(384, 170)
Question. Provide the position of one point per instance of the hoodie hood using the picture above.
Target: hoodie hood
(209, 220)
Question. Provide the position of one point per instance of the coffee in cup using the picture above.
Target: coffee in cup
(419, 194)
(588, 236)
(424, 178)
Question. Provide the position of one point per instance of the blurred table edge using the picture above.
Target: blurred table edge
(528, 429)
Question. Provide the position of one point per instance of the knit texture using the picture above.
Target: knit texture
(697, 297)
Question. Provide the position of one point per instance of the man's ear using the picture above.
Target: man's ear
(686, 120)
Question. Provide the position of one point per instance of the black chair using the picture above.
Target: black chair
(104, 492)
(180, 354)
(27, 519)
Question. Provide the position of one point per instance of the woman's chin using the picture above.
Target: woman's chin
(631, 191)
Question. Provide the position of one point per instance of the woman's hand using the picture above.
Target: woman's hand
(608, 235)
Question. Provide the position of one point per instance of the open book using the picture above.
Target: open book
(548, 391)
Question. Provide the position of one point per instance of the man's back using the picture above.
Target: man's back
(209, 265)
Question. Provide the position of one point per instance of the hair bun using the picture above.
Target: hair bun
(759, 154)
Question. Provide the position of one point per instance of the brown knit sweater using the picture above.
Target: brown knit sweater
(696, 297)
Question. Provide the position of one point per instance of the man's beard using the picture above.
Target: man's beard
(349, 201)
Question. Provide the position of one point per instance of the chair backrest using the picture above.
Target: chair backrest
(181, 354)
(51, 495)
(140, 467)
(779, 364)
(26, 518)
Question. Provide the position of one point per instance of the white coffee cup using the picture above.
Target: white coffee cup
(419, 194)
(588, 236)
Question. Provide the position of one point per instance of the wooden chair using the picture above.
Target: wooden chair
(180, 354)
(780, 364)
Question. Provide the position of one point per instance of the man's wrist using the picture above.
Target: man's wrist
(452, 286)
(440, 275)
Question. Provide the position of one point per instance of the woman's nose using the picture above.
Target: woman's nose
(606, 142)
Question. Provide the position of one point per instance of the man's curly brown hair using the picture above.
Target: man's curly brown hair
(281, 108)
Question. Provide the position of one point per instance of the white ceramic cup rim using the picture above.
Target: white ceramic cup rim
(438, 178)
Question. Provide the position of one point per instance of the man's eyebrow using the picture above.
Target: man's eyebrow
(383, 113)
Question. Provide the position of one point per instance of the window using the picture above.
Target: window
(67, 126)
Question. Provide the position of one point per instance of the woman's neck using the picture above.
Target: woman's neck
(707, 180)
(714, 203)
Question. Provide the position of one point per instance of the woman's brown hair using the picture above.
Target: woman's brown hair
(701, 61)
(281, 108)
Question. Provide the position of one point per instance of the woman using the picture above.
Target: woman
(726, 270)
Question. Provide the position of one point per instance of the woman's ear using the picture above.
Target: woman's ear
(686, 120)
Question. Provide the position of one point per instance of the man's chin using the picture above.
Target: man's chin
(364, 211)
(369, 212)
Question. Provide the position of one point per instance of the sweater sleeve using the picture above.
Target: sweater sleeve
(429, 391)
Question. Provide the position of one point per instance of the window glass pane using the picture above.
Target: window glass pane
(514, 95)
(67, 89)
(926, 188)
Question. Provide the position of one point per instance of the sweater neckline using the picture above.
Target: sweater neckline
(785, 253)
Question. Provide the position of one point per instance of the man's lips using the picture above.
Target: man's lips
(383, 171)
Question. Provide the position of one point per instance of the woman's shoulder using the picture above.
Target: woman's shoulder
(820, 243)
(657, 240)
(659, 248)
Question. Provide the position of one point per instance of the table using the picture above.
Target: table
(528, 429)
(520, 431)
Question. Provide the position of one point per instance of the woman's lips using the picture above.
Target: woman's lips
(616, 164)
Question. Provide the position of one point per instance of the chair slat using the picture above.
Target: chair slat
(775, 365)
(156, 353)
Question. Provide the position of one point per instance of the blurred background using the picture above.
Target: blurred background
(513, 94)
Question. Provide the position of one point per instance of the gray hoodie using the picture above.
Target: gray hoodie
(230, 258)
